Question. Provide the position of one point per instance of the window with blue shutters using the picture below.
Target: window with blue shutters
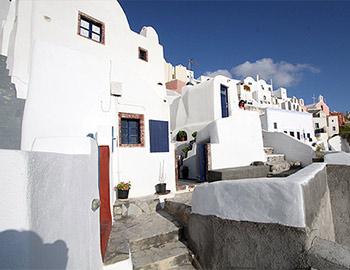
(159, 136)
(131, 129)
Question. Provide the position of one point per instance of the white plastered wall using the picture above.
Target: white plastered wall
(288, 121)
(234, 141)
(47, 209)
(200, 104)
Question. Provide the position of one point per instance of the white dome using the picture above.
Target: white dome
(150, 33)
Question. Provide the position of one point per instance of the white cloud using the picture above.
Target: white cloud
(223, 72)
(282, 73)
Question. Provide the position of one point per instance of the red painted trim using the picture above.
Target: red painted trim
(105, 209)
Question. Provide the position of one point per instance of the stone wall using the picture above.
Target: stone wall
(229, 244)
(241, 243)
(339, 186)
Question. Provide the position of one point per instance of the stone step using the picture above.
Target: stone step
(268, 150)
(280, 167)
(152, 231)
(275, 158)
(172, 255)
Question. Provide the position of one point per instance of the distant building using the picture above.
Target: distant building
(341, 118)
(325, 124)
(178, 72)
(295, 124)
(260, 94)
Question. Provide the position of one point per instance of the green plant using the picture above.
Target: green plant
(123, 186)
(194, 134)
(182, 134)
(185, 150)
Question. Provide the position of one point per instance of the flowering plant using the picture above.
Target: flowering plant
(123, 186)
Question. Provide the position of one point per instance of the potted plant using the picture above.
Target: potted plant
(123, 189)
(161, 187)
(194, 135)
(181, 136)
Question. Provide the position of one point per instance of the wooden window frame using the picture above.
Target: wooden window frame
(144, 50)
(92, 19)
(141, 118)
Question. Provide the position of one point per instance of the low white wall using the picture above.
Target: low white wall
(337, 143)
(267, 200)
(337, 158)
(293, 149)
(48, 221)
(234, 141)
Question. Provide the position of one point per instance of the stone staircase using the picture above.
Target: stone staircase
(11, 110)
(277, 162)
(152, 236)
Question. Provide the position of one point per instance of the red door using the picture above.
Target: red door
(105, 210)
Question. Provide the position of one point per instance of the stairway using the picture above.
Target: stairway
(11, 110)
(153, 240)
(277, 162)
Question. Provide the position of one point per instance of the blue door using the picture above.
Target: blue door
(224, 101)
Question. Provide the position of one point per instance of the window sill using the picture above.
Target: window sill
(132, 145)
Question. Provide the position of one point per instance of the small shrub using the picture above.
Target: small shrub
(181, 135)
(194, 134)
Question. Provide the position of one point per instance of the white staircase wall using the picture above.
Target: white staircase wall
(293, 149)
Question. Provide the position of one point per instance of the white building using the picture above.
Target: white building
(209, 106)
(202, 102)
(296, 124)
(257, 93)
(260, 94)
(178, 72)
(83, 71)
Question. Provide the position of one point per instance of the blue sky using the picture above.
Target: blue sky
(304, 46)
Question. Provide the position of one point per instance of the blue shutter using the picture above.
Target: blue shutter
(159, 136)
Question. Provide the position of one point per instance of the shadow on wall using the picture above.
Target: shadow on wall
(26, 250)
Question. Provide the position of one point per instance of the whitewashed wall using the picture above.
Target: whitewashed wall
(293, 149)
(337, 143)
(234, 141)
(333, 125)
(289, 201)
(200, 104)
(47, 210)
(289, 121)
